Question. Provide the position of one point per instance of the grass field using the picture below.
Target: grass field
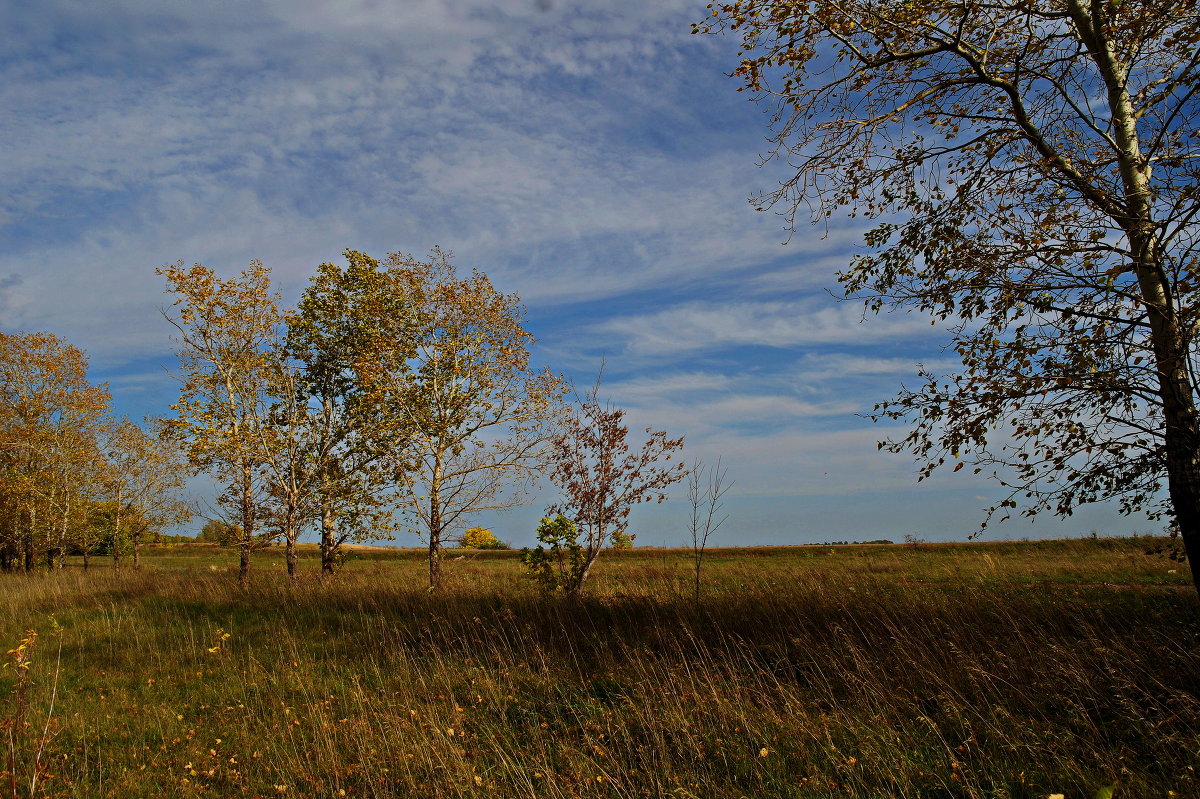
(981, 670)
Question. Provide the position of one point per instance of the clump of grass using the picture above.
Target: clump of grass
(26, 735)
(804, 676)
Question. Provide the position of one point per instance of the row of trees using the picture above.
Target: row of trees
(72, 476)
(396, 392)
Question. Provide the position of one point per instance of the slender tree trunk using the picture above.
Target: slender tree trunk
(86, 558)
(290, 558)
(590, 555)
(247, 543)
(289, 538)
(585, 574)
(136, 538)
(27, 541)
(244, 559)
(62, 533)
(435, 528)
(435, 555)
(595, 543)
(329, 543)
(116, 542)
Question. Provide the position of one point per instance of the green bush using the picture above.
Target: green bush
(557, 563)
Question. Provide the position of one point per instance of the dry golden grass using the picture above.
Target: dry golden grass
(1003, 670)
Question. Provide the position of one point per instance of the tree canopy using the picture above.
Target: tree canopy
(350, 323)
(72, 478)
(228, 332)
(49, 417)
(474, 417)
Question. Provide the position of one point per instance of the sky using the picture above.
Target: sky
(593, 158)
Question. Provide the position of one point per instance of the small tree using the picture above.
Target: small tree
(557, 562)
(481, 538)
(704, 497)
(622, 541)
(602, 478)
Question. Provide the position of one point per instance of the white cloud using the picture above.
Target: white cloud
(796, 463)
(732, 414)
(819, 367)
(653, 388)
(285, 132)
(701, 326)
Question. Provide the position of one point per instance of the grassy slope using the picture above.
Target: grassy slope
(993, 670)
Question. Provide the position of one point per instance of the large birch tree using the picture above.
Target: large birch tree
(228, 333)
(1031, 168)
(349, 316)
(474, 419)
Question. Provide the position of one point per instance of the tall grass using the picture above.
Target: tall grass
(995, 671)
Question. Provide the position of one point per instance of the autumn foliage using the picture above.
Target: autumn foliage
(396, 387)
(72, 478)
(480, 538)
(600, 477)
(399, 390)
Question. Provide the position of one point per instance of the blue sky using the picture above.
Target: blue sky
(592, 158)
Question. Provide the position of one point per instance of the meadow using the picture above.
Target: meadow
(1002, 669)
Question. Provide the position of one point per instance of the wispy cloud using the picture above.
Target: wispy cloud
(543, 147)
(843, 366)
(714, 325)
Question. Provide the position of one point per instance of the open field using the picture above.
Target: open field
(982, 670)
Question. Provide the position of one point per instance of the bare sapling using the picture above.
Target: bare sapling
(707, 486)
